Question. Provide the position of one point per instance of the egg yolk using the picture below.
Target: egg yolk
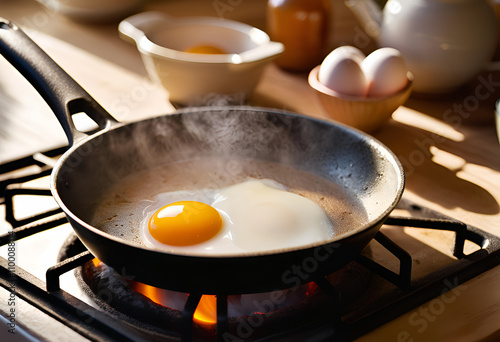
(206, 49)
(185, 223)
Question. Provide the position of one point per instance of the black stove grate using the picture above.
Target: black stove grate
(100, 326)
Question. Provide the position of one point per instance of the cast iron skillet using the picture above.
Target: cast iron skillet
(365, 168)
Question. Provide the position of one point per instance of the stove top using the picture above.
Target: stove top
(418, 255)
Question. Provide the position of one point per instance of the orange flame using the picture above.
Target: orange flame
(205, 313)
(148, 291)
(96, 262)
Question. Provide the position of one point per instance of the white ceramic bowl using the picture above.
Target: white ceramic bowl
(189, 77)
(367, 113)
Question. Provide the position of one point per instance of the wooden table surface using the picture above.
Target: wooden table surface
(448, 145)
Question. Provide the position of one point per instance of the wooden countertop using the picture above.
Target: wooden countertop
(450, 153)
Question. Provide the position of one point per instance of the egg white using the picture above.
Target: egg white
(258, 215)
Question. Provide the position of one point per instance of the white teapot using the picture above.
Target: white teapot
(446, 43)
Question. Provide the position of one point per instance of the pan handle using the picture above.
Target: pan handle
(63, 94)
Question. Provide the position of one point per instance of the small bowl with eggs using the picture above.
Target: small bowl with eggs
(193, 57)
(360, 91)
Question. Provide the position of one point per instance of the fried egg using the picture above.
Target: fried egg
(252, 216)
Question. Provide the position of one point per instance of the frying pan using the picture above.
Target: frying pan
(360, 164)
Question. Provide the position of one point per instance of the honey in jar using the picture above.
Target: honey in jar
(302, 26)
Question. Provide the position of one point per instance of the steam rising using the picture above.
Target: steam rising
(180, 137)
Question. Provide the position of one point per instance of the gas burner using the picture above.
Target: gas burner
(160, 312)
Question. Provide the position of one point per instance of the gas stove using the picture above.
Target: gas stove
(48, 278)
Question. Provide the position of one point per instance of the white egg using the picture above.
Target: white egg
(341, 71)
(257, 215)
(386, 72)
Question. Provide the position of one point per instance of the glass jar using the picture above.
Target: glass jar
(302, 26)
